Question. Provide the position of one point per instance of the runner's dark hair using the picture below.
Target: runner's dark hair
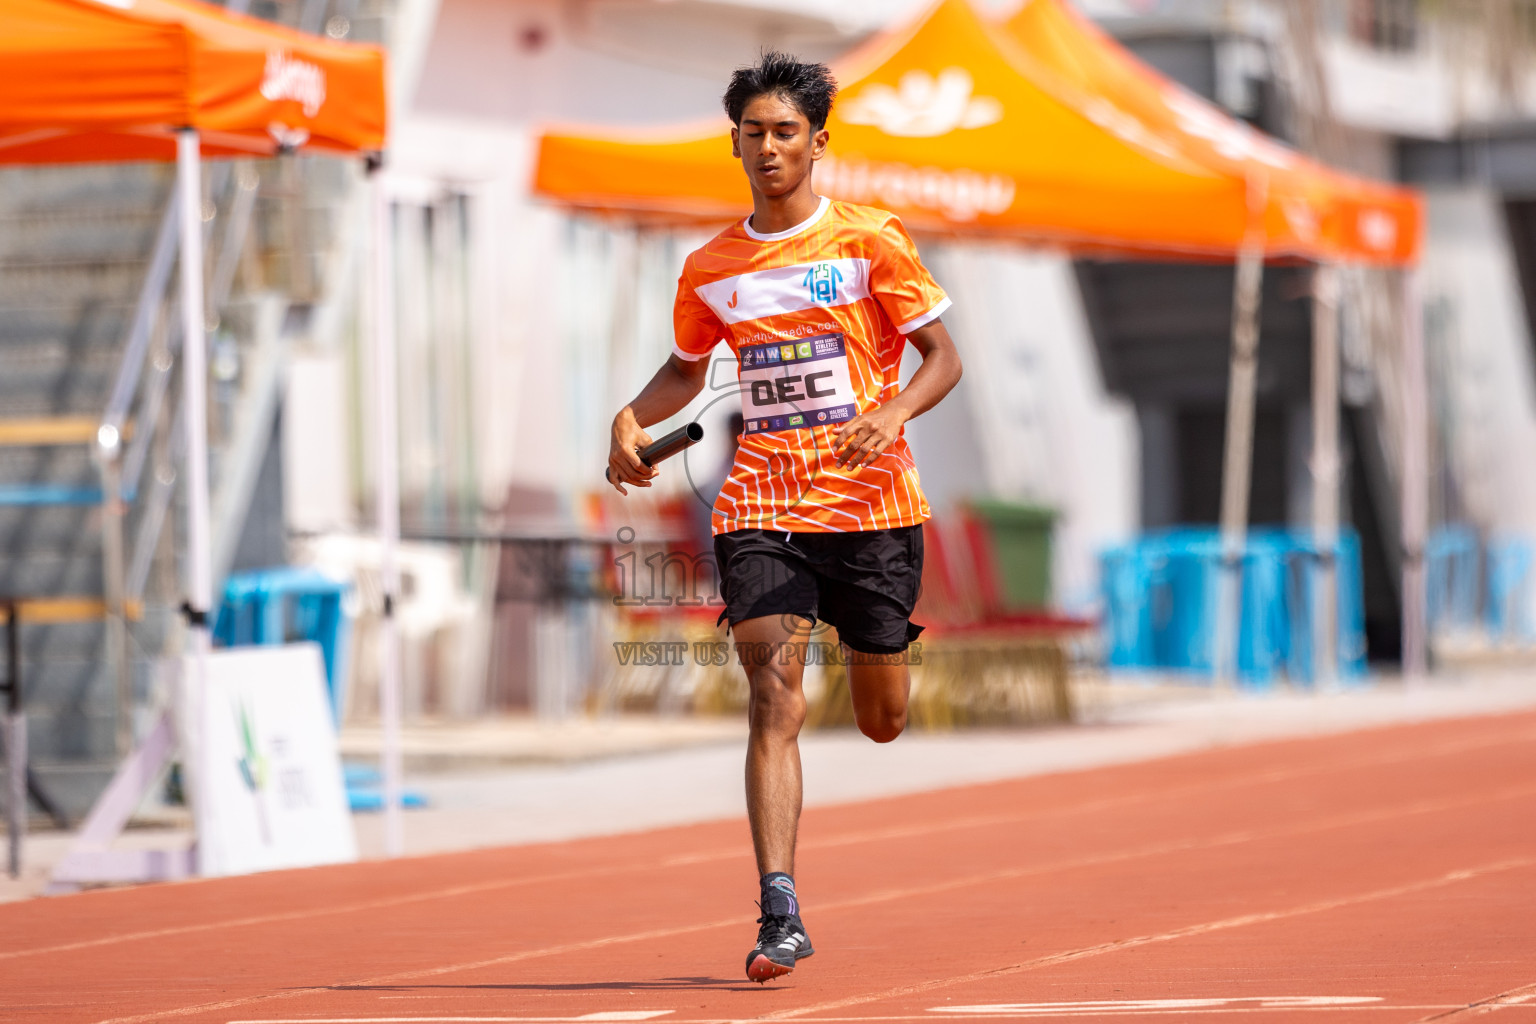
(809, 88)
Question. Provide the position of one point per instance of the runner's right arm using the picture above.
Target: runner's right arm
(668, 393)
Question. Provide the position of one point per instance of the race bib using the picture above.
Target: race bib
(796, 385)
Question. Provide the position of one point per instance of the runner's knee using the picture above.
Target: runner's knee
(879, 685)
(882, 724)
(776, 705)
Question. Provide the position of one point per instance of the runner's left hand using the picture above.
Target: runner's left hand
(865, 437)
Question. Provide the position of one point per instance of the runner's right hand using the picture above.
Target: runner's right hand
(624, 466)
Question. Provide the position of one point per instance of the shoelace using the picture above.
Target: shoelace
(775, 927)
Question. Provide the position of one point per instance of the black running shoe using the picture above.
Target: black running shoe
(781, 940)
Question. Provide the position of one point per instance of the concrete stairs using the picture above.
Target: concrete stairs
(73, 245)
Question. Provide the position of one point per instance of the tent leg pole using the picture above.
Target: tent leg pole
(1237, 460)
(1415, 479)
(387, 486)
(15, 739)
(1325, 474)
(112, 589)
(195, 409)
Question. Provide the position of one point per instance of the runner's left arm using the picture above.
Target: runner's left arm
(863, 438)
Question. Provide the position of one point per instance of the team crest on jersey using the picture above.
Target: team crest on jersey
(774, 291)
(822, 280)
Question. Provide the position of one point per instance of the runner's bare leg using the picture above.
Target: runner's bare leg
(879, 685)
(775, 712)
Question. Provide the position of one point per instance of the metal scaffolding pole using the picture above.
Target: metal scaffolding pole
(1415, 478)
(387, 486)
(1237, 458)
(199, 600)
(1325, 473)
(15, 743)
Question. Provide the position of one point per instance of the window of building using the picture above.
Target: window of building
(1385, 24)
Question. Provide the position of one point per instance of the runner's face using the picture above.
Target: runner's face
(776, 145)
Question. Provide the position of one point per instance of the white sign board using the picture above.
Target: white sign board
(266, 774)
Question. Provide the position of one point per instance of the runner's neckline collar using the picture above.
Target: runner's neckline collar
(779, 236)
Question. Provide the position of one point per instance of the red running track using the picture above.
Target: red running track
(1379, 877)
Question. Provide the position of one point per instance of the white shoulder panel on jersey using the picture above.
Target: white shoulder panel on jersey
(763, 293)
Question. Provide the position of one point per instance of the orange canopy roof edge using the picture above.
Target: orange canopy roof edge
(96, 80)
(960, 126)
(1318, 207)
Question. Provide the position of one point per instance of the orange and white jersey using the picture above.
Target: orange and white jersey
(817, 317)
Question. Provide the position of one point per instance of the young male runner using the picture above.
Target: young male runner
(821, 516)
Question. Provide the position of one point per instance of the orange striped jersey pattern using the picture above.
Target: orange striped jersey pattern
(817, 317)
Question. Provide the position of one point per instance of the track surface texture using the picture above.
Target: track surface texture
(1378, 876)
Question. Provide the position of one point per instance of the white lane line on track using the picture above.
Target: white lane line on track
(1523, 996)
(1181, 1012)
(930, 1018)
(871, 1019)
(1242, 920)
(605, 1015)
(1122, 1007)
(1135, 1005)
(884, 896)
(828, 842)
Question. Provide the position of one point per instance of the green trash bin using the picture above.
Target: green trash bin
(1021, 545)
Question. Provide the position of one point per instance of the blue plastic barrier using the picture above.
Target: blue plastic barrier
(1509, 588)
(1302, 596)
(1451, 563)
(1471, 583)
(1128, 633)
(365, 789)
(284, 605)
(1183, 599)
(1161, 593)
(276, 606)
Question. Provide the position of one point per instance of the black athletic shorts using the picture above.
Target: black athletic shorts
(864, 584)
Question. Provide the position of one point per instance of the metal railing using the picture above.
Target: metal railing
(136, 410)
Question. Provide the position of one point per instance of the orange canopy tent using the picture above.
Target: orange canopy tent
(962, 126)
(113, 80)
(120, 80)
(1310, 210)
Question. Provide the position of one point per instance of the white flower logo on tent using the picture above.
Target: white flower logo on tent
(1232, 139)
(923, 106)
(1377, 229)
(1301, 217)
(286, 77)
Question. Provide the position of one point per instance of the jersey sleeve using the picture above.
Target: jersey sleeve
(901, 284)
(695, 328)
